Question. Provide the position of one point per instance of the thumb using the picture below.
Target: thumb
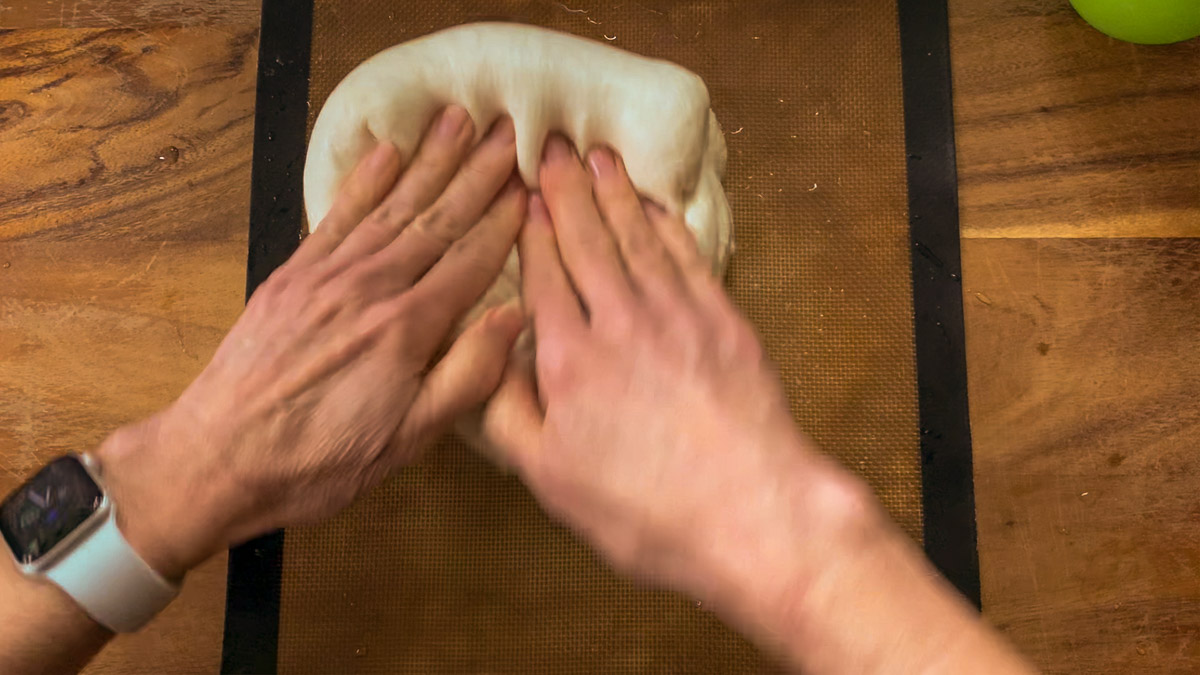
(468, 373)
(512, 419)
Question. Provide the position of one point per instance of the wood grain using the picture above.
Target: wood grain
(1081, 368)
(126, 13)
(103, 156)
(123, 211)
(1083, 386)
(1064, 132)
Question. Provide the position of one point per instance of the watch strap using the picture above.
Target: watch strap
(110, 581)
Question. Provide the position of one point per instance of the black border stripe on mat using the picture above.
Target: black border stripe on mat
(281, 117)
(947, 480)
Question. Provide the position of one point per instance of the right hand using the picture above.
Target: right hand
(657, 427)
(655, 423)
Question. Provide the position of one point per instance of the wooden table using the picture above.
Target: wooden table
(125, 140)
(126, 131)
(1079, 169)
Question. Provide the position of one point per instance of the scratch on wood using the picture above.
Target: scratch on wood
(154, 257)
(183, 347)
(139, 275)
(119, 24)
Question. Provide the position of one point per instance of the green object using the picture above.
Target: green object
(1149, 22)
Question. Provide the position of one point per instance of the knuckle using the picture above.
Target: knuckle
(283, 283)
(346, 286)
(391, 214)
(273, 287)
(473, 254)
(555, 367)
(376, 227)
(439, 223)
(743, 344)
(651, 255)
(388, 321)
(280, 279)
(402, 311)
(635, 243)
(330, 300)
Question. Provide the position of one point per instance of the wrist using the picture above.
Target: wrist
(167, 516)
(811, 567)
(772, 549)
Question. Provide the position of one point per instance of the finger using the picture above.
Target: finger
(372, 178)
(588, 251)
(437, 160)
(545, 287)
(459, 208)
(471, 265)
(678, 239)
(681, 246)
(464, 378)
(650, 266)
(512, 419)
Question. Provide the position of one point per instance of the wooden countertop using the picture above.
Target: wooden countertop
(127, 128)
(1079, 170)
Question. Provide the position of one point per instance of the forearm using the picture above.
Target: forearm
(44, 630)
(821, 576)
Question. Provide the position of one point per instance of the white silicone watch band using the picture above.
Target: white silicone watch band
(110, 581)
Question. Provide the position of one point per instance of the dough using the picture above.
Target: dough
(654, 113)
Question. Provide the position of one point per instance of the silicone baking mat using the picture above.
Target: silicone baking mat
(451, 566)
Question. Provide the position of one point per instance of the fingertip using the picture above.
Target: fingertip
(602, 163)
(512, 419)
(503, 131)
(382, 156)
(557, 149)
(537, 209)
(453, 120)
(507, 319)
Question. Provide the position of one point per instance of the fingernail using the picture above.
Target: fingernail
(453, 119)
(510, 316)
(601, 162)
(556, 149)
(503, 131)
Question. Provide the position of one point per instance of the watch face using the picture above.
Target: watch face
(48, 508)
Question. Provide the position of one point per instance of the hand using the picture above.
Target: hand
(655, 420)
(655, 425)
(328, 381)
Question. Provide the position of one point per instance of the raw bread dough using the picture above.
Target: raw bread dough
(654, 113)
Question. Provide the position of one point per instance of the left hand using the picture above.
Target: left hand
(329, 381)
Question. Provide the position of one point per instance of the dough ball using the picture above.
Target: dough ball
(654, 113)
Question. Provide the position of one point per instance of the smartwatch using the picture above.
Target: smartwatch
(61, 526)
